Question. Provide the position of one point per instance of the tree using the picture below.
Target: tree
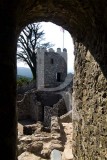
(30, 39)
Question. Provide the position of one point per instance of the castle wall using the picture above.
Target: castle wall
(90, 103)
(40, 68)
(48, 113)
(49, 65)
(40, 106)
(29, 107)
(86, 21)
(48, 98)
(26, 87)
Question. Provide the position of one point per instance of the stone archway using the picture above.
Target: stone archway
(86, 21)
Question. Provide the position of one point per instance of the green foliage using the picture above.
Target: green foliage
(23, 81)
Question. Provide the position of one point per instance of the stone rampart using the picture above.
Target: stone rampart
(89, 106)
(29, 107)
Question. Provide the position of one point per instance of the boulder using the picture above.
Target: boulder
(56, 155)
(56, 144)
(36, 147)
(29, 156)
(67, 154)
(34, 128)
(45, 153)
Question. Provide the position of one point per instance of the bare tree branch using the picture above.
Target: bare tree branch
(29, 40)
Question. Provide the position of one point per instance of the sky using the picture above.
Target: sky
(54, 34)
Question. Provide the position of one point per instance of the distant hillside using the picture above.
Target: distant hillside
(28, 78)
(26, 72)
(22, 71)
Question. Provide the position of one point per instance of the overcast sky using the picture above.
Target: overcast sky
(54, 34)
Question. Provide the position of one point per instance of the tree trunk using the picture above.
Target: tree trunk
(33, 70)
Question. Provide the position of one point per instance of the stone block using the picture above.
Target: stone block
(56, 155)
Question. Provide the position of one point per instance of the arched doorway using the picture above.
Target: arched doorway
(82, 20)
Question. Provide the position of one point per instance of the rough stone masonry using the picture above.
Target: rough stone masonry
(51, 67)
(86, 20)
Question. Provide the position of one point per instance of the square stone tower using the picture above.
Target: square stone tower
(51, 67)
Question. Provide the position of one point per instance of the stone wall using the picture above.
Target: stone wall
(23, 108)
(85, 20)
(48, 113)
(49, 63)
(59, 66)
(58, 109)
(33, 105)
(26, 87)
(89, 106)
(29, 107)
(48, 98)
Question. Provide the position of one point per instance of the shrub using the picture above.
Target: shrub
(23, 81)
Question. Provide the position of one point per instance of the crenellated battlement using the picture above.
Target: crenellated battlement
(58, 50)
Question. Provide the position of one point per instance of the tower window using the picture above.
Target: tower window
(52, 61)
(58, 77)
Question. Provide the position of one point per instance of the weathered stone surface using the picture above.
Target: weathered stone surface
(86, 21)
(89, 101)
(29, 156)
(55, 134)
(66, 117)
(45, 153)
(67, 133)
(28, 143)
(52, 63)
(29, 107)
(56, 144)
(41, 138)
(61, 105)
(25, 139)
(42, 144)
(55, 126)
(48, 113)
(36, 147)
(67, 155)
(26, 87)
(56, 155)
(20, 149)
(30, 129)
